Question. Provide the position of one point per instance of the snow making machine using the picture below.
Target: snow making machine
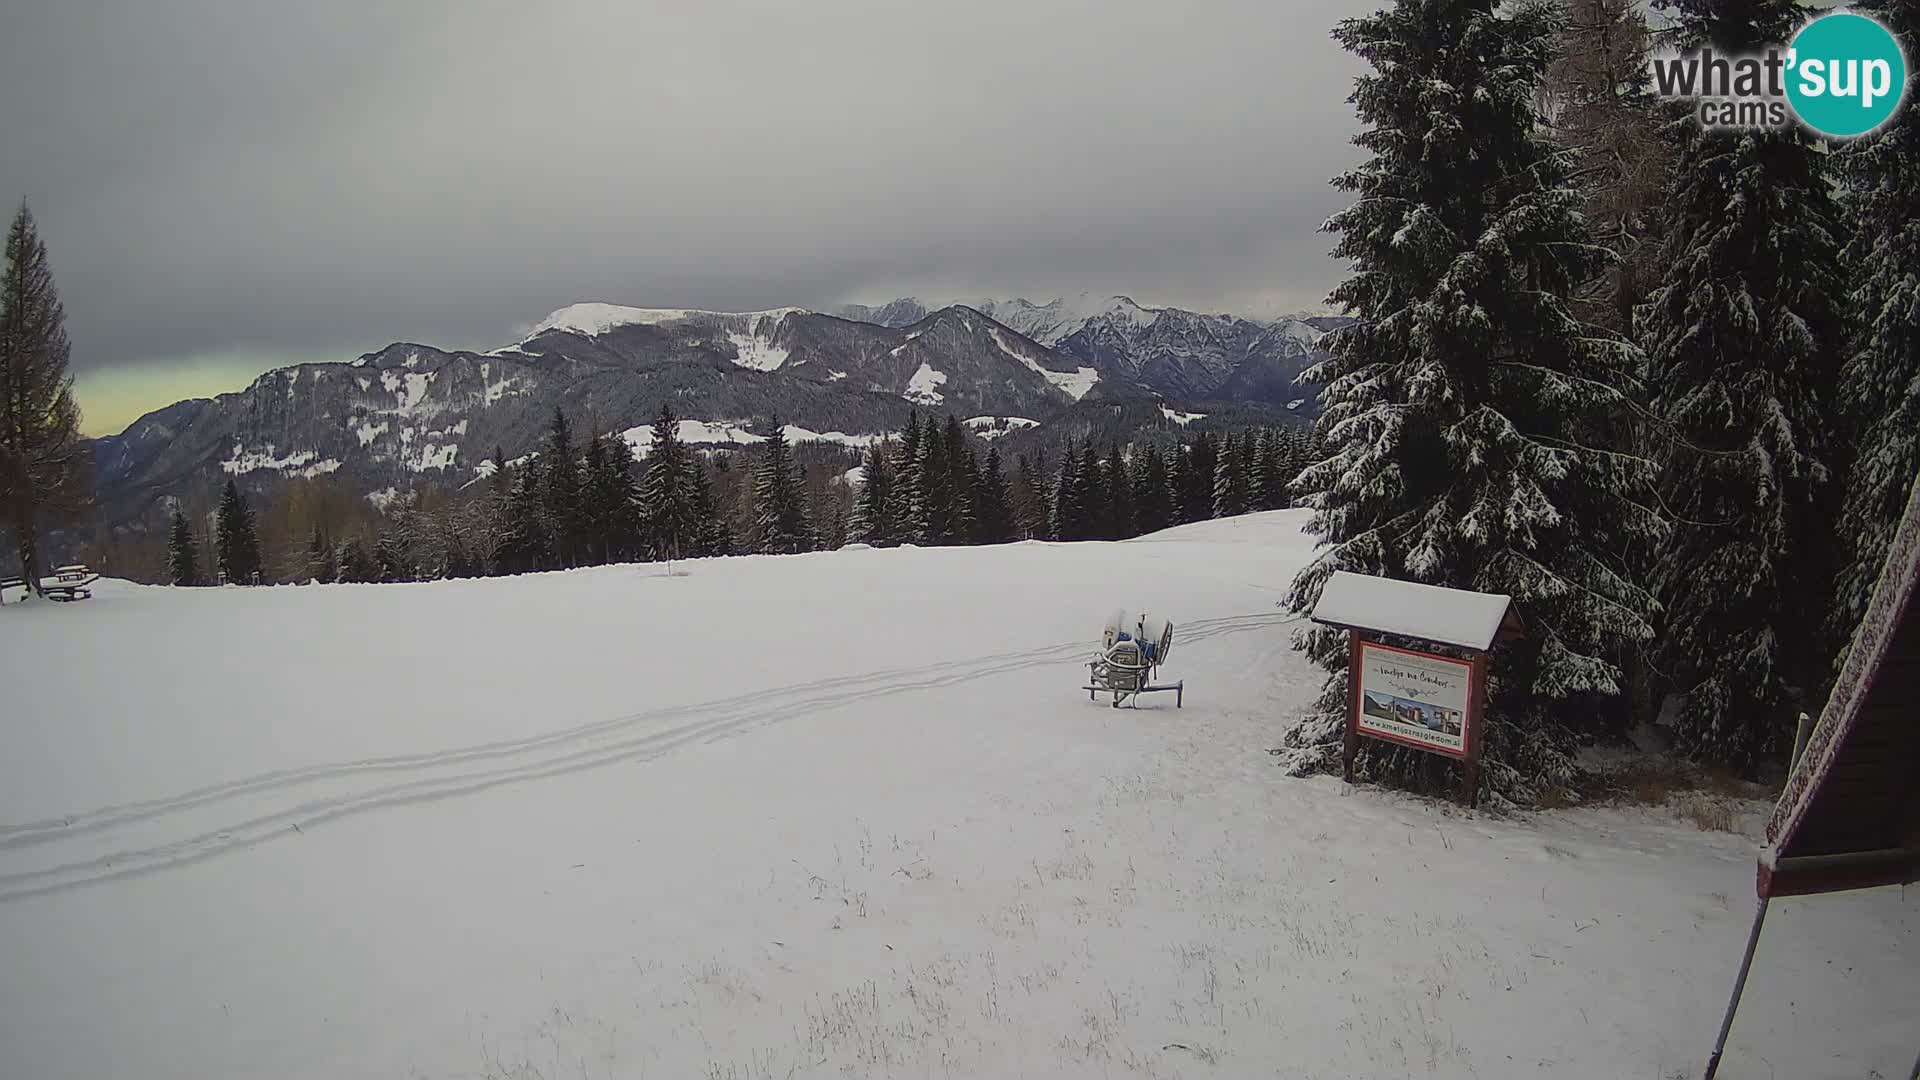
(1131, 652)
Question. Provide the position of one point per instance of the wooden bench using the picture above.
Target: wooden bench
(10, 583)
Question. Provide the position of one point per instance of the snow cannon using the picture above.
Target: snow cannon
(1130, 654)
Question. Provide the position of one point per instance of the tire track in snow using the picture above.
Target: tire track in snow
(725, 717)
(59, 828)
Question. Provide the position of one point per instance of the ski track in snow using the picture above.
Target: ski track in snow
(548, 755)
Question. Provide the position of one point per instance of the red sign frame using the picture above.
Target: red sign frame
(1470, 725)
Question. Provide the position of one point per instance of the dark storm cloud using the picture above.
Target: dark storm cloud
(216, 176)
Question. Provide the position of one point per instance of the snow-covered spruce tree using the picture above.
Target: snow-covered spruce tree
(180, 561)
(1880, 382)
(1743, 333)
(934, 495)
(43, 462)
(873, 507)
(1259, 461)
(1230, 478)
(1152, 505)
(906, 483)
(1176, 467)
(666, 499)
(239, 545)
(1453, 405)
(779, 505)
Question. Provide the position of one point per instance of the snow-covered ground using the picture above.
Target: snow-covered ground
(842, 814)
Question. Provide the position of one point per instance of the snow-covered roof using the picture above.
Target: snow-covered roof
(1469, 620)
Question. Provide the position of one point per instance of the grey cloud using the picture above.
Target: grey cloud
(229, 174)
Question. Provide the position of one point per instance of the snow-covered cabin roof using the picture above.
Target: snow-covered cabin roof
(1469, 620)
(1850, 815)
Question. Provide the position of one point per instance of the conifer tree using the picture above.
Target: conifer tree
(1230, 478)
(526, 544)
(932, 521)
(715, 527)
(1176, 468)
(356, 562)
(1455, 404)
(239, 545)
(611, 498)
(1880, 383)
(1259, 465)
(42, 458)
(1068, 512)
(780, 516)
(993, 499)
(320, 558)
(390, 555)
(666, 495)
(963, 471)
(1120, 510)
(1743, 335)
(180, 561)
(1096, 508)
(873, 507)
(1152, 500)
(1028, 504)
(560, 492)
(906, 483)
(1196, 503)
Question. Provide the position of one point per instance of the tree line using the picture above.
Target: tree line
(586, 501)
(1659, 383)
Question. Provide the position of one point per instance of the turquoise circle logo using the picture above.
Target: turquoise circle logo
(1846, 74)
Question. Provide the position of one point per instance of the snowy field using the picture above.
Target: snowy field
(841, 814)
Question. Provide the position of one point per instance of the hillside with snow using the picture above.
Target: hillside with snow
(841, 814)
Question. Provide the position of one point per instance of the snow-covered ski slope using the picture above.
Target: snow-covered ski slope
(842, 814)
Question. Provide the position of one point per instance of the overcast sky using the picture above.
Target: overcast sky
(228, 185)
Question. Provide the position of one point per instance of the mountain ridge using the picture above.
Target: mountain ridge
(411, 413)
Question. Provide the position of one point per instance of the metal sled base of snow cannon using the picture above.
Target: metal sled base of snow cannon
(1130, 655)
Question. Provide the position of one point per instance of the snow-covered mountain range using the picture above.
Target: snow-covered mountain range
(411, 413)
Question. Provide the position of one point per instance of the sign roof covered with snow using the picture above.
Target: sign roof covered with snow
(1469, 620)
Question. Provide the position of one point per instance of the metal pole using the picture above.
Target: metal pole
(1739, 987)
(1802, 731)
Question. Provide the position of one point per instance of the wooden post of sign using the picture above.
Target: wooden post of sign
(1351, 748)
(1474, 736)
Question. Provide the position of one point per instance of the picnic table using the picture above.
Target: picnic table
(67, 583)
(70, 583)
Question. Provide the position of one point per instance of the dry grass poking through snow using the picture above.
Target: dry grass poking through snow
(1714, 800)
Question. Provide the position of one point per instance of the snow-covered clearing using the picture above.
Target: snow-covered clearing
(843, 814)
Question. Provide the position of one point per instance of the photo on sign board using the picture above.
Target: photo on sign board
(1413, 697)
